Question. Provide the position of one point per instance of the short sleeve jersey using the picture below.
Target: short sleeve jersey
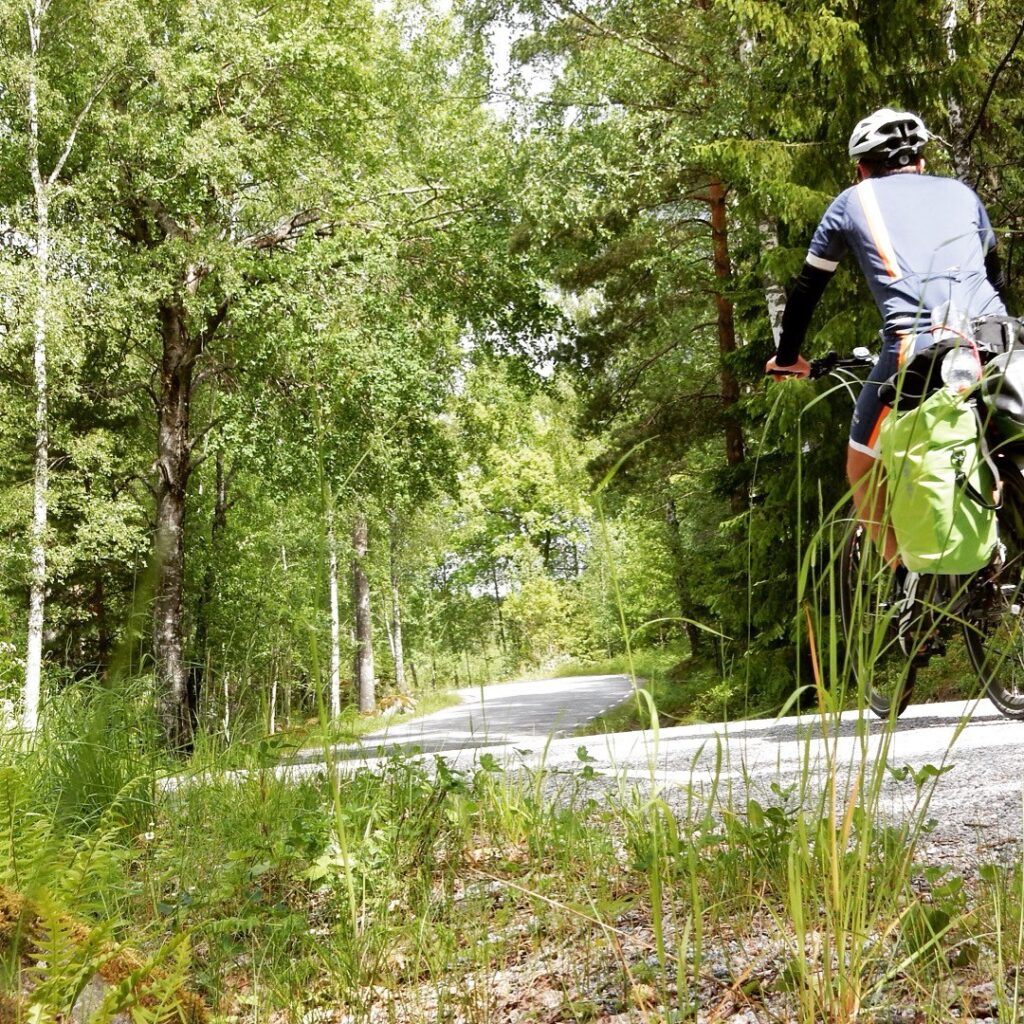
(919, 240)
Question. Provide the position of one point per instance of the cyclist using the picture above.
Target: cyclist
(920, 241)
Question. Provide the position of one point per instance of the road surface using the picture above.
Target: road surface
(977, 800)
(500, 715)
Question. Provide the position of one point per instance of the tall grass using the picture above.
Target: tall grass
(424, 890)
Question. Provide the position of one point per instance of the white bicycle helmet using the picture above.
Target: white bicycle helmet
(893, 136)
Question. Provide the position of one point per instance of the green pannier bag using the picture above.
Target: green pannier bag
(939, 485)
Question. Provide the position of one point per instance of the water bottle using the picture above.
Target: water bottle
(960, 368)
(950, 323)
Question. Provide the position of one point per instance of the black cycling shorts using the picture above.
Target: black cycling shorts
(869, 413)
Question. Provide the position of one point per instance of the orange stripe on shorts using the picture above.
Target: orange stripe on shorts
(873, 439)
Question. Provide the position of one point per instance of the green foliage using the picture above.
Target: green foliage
(449, 315)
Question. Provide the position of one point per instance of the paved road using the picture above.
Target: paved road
(501, 715)
(977, 801)
(976, 804)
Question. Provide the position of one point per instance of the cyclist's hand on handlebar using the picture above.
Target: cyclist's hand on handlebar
(801, 368)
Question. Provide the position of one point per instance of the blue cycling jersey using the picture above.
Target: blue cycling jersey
(919, 240)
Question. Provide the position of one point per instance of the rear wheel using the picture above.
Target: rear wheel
(994, 623)
(870, 607)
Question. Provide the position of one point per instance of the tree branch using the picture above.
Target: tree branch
(170, 227)
(199, 437)
(82, 115)
(284, 231)
(138, 477)
(647, 47)
(215, 319)
(1000, 67)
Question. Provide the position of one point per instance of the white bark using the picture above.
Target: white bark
(227, 709)
(41, 186)
(774, 293)
(398, 654)
(961, 156)
(395, 632)
(365, 675)
(272, 724)
(332, 560)
(41, 482)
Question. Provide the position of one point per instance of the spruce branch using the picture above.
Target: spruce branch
(1000, 67)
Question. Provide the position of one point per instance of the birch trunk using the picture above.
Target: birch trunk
(397, 651)
(962, 165)
(774, 293)
(332, 569)
(227, 710)
(199, 673)
(497, 608)
(272, 723)
(174, 467)
(41, 472)
(41, 187)
(364, 671)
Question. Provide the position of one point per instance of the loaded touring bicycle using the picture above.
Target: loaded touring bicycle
(953, 452)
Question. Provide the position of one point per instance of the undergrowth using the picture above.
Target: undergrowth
(429, 890)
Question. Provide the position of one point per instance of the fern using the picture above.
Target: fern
(26, 835)
(63, 957)
(153, 992)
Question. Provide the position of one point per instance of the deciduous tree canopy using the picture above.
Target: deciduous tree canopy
(301, 294)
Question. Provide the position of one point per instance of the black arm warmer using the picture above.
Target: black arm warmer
(803, 297)
(994, 273)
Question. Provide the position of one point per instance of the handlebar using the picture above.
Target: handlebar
(827, 363)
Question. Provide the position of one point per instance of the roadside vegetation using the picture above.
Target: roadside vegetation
(429, 891)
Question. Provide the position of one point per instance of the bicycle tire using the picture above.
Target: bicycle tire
(874, 657)
(993, 626)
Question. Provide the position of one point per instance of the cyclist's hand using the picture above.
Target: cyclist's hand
(801, 368)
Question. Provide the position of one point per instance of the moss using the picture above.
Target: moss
(11, 906)
(20, 920)
(11, 1010)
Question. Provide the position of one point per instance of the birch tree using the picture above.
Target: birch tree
(56, 100)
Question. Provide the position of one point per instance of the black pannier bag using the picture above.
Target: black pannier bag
(1002, 392)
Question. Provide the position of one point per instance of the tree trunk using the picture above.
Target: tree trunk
(959, 150)
(774, 293)
(41, 477)
(695, 635)
(734, 448)
(363, 623)
(41, 473)
(332, 584)
(397, 651)
(174, 466)
(275, 663)
(198, 673)
(227, 709)
(497, 608)
(104, 640)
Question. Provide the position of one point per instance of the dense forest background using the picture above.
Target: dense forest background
(353, 347)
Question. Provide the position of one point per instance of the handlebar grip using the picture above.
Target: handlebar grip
(821, 367)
